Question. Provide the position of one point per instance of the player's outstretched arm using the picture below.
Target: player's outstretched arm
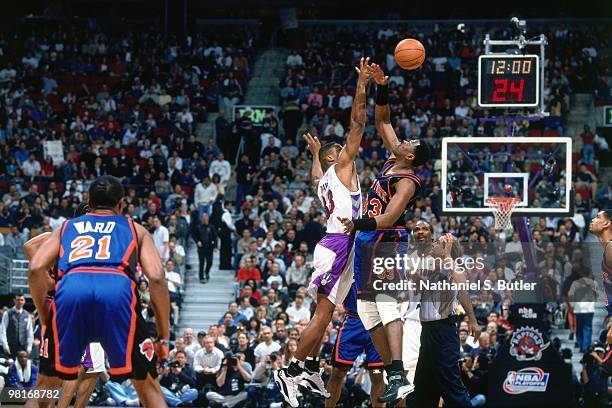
(358, 116)
(316, 172)
(382, 113)
(39, 280)
(404, 191)
(158, 287)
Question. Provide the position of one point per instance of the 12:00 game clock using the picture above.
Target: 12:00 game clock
(508, 80)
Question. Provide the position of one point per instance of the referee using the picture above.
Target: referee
(437, 371)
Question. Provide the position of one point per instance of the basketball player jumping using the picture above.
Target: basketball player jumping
(96, 298)
(601, 227)
(334, 177)
(382, 230)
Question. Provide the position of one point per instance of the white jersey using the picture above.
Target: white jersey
(337, 200)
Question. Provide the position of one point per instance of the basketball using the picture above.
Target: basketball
(409, 54)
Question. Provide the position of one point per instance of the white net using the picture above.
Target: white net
(502, 211)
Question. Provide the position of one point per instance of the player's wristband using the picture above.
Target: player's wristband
(365, 224)
(163, 341)
(382, 94)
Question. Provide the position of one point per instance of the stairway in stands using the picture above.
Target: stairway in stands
(581, 112)
(263, 88)
(204, 304)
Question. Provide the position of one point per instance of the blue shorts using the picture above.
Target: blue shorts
(381, 243)
(98, 305)
(352, 341)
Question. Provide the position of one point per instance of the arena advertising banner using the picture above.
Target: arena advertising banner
(55, 150)
(257, 112)
(527, 370)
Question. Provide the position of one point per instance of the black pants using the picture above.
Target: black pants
(205, 256)
(437, 372)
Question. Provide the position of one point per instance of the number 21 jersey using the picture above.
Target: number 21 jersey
(98, 242)
(337, 200)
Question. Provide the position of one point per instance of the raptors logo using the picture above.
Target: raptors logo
(147, 349)
(527, 344)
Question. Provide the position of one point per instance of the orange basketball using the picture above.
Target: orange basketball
(409, 54)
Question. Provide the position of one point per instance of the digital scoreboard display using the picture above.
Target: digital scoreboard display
(508, 80)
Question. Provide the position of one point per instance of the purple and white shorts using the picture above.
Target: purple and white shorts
(333, 267)
(93, 358)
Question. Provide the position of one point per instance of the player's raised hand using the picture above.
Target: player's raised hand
(314, 145)
(379, 76)
(347, 224)
(364, 70)
(447, 241)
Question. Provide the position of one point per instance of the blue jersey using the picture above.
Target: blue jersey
(98, 242)
(350, 301)
(383, 188)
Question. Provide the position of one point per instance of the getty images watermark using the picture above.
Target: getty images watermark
(435, 273)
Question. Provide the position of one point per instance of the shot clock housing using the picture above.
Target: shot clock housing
(506, 80)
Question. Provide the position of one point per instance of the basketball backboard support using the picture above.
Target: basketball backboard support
(537, 170)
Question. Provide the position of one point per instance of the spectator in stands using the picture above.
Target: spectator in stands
(270, 394)
(23, 373)
(205, 235)
(588, 149)
(179, 345)
(178, 381)
(243, 346)
(204, 197)
(207, 362)
(231, 380)
(14, 239)
(266, 346)
(227, 231)
(297, 311)
(190, 345)
(16, 331)
(297, 274)
(121, 394)
(582, 296)
(31, 167)
(221, 167)
(594, 378)
(174, 285)
(245, 308)
(161, 238)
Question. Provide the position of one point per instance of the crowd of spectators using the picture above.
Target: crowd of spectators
(129, 105)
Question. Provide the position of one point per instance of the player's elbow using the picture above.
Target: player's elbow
(36, 269)
(157, 279)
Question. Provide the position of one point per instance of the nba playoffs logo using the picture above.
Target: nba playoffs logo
(147, 349)
(527, 344)
(525, 380)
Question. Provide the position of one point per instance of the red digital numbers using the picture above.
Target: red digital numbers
(506, 89)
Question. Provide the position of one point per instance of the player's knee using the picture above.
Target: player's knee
(376, 376)
(338, 373)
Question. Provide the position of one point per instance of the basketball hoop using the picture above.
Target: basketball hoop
(502, 210)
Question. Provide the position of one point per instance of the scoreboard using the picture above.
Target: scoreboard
(508, 80)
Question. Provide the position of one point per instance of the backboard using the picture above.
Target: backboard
(537, 170)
